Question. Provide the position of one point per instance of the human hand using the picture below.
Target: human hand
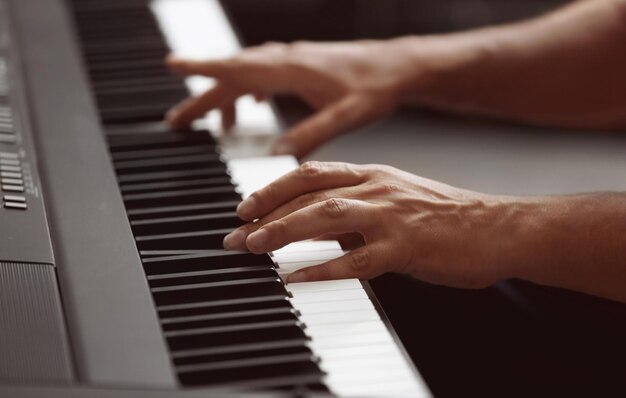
(349, 84)
(408, 224)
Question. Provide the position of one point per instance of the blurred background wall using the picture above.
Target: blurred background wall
(287, 20)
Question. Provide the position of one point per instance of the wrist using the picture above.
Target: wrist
(525, 237)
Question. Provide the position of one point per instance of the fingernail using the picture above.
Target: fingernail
(245, 209)
(296, 277)
(283, 148)
(258, 239)
(235, 240)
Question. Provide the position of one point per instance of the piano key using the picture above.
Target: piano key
(213, 171)
(229, 321)
(286, 309)
(225, 291)
(339, 284)
(212, 309)
(181, 197)
(254, 335)
(220, 271)
(299, 348)
(182, 210)
(325, 330)
(242, 349)
(339, 306)
(199, 305)
(173, 185)
(329, 296)
(207, 277)
(186, 223)
(343, 317)
(163, 152)
(262, 372)
(203, 262)
(247, 362)
(170, 163)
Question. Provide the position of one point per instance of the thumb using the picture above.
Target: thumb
(348, 113)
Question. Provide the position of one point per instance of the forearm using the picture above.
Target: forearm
(575, 242)
(566, 68)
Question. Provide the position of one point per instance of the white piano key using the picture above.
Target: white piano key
(364, 327)
(199, 29)
(252, 174)
(319, 256)
(386, 388)
(387, 361)
(339, 306)
(342, 317)
(309, 246)
(357, 352)
(324, 286)
(323, 342)
(329, 296)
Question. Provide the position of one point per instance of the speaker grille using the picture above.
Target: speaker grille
(33, 341)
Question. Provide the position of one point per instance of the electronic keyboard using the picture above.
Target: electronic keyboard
(113, 271)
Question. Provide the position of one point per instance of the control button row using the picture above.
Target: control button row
(17, 202)
(11, 178)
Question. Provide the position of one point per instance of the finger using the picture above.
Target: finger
(331, 216)
(195, 107)
(237, 239)
(217, 69)
(310, 177)
(346, 114)
(229, 116)
(364, 263)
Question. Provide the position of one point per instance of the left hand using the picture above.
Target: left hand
(408, 224)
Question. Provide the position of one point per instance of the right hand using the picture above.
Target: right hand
(349, 85)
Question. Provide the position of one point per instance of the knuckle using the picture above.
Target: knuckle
(360, 262)
(311, 169)
(390, 188)
(334, 208)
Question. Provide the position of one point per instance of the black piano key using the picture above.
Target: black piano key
(262, 371)
(196, 149)
(199, 240)
(135, 114)
(175, 185)
(218, 291)
(202, 262)
(281, 303)
(158, 96)
(183, 210)
(219, 303)
(208, 323)
(210, 277)
(183, 162)
(298, 347)
(250, 336)
(206, 172)
(181, 197)
(186, 223)
(166, 322)
(136, 82)
(134, 142)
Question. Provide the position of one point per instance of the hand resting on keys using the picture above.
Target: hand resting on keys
(436, 232)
